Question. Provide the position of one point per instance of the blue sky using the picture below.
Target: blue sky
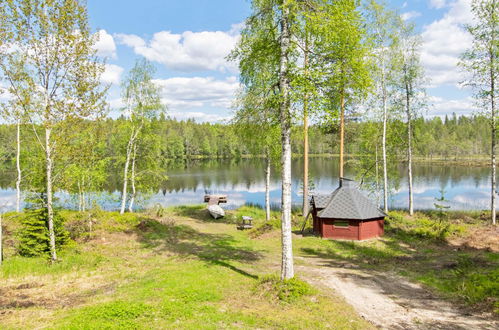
(188, 40)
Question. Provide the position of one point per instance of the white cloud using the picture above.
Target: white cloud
(187, 93)
(105, 46)
(188, 98)
(112, 74)
(410, 14)
(189, 51)
(438, 4)
(442, 107)
(444, 40)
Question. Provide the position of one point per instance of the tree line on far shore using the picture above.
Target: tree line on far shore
(448, 137)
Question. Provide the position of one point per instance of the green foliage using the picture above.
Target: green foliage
(34, 234)
(287, 291)
(480, 61)
(422, 226)
(116, 222)
(116, 314)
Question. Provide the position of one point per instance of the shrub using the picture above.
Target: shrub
(284, 290)
(34, 235)
(265, 227)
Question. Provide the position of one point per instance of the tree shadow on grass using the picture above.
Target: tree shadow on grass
(183, 240)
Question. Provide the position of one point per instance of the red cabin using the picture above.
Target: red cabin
(347, 214)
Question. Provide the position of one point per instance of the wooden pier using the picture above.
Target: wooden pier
(215, 199)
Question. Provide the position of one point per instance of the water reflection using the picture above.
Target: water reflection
(243, 181)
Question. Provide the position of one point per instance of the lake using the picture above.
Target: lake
(466, 188)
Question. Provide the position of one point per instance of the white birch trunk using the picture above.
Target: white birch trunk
(50, 210)
(305, 138)
(125, 176)
(80, 201)
(132, 179)
(83, 202)
(385, 124)
(287, 270)
(18, 166)
(494, 133)
(267, 186)
(409, 148)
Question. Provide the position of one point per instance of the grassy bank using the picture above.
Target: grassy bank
(456, 258)
(177, 269)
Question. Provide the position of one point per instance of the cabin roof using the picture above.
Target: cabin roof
(320, 201)
(348, 202)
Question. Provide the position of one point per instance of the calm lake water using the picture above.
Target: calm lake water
(243, 181)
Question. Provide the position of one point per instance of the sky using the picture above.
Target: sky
(188, 42)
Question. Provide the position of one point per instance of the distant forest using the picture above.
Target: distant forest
(449, 137)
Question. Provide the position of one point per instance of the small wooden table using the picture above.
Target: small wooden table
(246, 224)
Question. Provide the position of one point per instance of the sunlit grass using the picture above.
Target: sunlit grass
(138, 272)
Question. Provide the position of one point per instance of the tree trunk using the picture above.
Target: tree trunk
(342, 134)
(305, 138)
(385, 124)
(267, 186)
(83, 201)
(409, 148)
(377, 174)
(125, 176)
(80, 200)
(494, 133)
(132, 179)
(287, 270)
(18, 166)
(50, 210)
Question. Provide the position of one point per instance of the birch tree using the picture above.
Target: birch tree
(257, 103)
(285, 20)
(481, 63)
(382, 28)
(255, 121)
(270, 27)
(142, 100)
(57, 74)
(410, 80)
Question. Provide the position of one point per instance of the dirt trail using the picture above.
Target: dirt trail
(389, 301)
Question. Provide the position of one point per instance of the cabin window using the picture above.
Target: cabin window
(341, 224)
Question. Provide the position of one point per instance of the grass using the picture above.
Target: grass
(420, 249)
(178, 268)
(182, 270)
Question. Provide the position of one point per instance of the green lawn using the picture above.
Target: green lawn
(186, 271)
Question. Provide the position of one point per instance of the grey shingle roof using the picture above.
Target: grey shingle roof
(320, 201)
(347, 202)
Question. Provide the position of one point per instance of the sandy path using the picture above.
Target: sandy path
(389, 301)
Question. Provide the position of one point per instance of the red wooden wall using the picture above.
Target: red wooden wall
(330, 231)
(371, 228)
(357, 230)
